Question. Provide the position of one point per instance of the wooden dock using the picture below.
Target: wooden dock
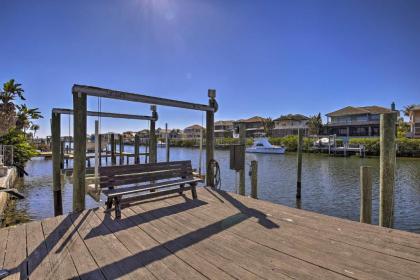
(218, 236)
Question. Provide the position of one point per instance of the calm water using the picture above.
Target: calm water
(329, 185)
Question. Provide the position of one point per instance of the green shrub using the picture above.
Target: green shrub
(406, 146)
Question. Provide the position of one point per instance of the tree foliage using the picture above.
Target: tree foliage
(315, 124)
(15, 120)
(268, 125)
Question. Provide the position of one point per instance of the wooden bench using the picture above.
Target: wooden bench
(129, 183)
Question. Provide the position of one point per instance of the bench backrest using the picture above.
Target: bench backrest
(111, 176)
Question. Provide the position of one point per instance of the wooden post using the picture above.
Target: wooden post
(167, 143)
(100, 146)
(242, 141)
(79, 163)
(254, 179)
(55, 140)
(146, 151)
(97, 151)
(68, 153)
(113, 158)
(61, 154)
(365, 194)
(299, 165)
(121, 152)
(152, 137)
(210, 137)
(200, 156)
(136, 149)
(387, 169)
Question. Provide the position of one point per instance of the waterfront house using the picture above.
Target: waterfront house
(172, 133)
(414, 116)
(290, 124)
(223, 129)
(193, 132)
(253, 126)
(356, 121)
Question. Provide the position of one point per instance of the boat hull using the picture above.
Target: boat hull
(266, 150)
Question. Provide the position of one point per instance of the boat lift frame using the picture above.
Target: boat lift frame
(80, 93)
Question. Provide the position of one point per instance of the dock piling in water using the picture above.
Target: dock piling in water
(387, 168)
(242, 141)
(365, 194)
(299, 165)
(254, 179)
(56, 162)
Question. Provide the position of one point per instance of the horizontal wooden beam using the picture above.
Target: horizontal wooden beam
(134, 97)
(105, 115)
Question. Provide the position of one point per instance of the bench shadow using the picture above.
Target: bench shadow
(157, 213)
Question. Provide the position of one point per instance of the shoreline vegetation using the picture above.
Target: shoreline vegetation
(406, 147)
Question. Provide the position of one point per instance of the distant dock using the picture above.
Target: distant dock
(218, 236)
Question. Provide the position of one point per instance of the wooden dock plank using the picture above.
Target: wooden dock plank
(180, 247)
(39, 265)
(4, 233)
(15, 258)
(278, 261)
(110, 254)
(80, 254)
(344, 257)
(217, 236)
(197, 244)
(149, 251)
(62, 264)
(386, 241)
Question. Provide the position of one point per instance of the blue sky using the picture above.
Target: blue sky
(264, 58)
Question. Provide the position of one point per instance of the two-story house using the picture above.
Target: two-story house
(356, 121)
(193, 132)
(253, 126)
(290, 124)
(414, 115)
(223, 129)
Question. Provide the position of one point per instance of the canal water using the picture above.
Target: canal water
(330, 185)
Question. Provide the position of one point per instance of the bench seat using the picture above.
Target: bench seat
(129, 183)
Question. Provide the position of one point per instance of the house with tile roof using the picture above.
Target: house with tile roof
(193, 132)
(290, 125)
(356, 121)
(223, 129)
(253, 126)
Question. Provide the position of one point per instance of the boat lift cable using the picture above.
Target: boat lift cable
(213, 164)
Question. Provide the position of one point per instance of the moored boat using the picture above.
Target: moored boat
(263, 146)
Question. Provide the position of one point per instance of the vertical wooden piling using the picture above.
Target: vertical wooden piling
(61, 154)
(79, 164)
(242, 141)
(200, 155)
(97, 151)
(365, 194)
(167, 143)
(299, 165)
(254, 179)
(55, 141)
(152, 138)
(121, 151)
(100, 147)
(387, 168)
(136, 149)
(113, 158)
(210, 138)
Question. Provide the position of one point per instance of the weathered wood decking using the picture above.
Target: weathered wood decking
(218, 236)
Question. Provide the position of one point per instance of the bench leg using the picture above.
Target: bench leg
(193, 191)
(181, 189)
(117, 208)
(108, 203)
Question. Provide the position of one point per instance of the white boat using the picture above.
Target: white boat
(261, 145)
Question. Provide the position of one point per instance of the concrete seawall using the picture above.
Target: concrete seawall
(6, 182)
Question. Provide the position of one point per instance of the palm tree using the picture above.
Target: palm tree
(268, 125)
(25, 115)
(315, 124)
(35, 128)
(407, 109)
(10, 91)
